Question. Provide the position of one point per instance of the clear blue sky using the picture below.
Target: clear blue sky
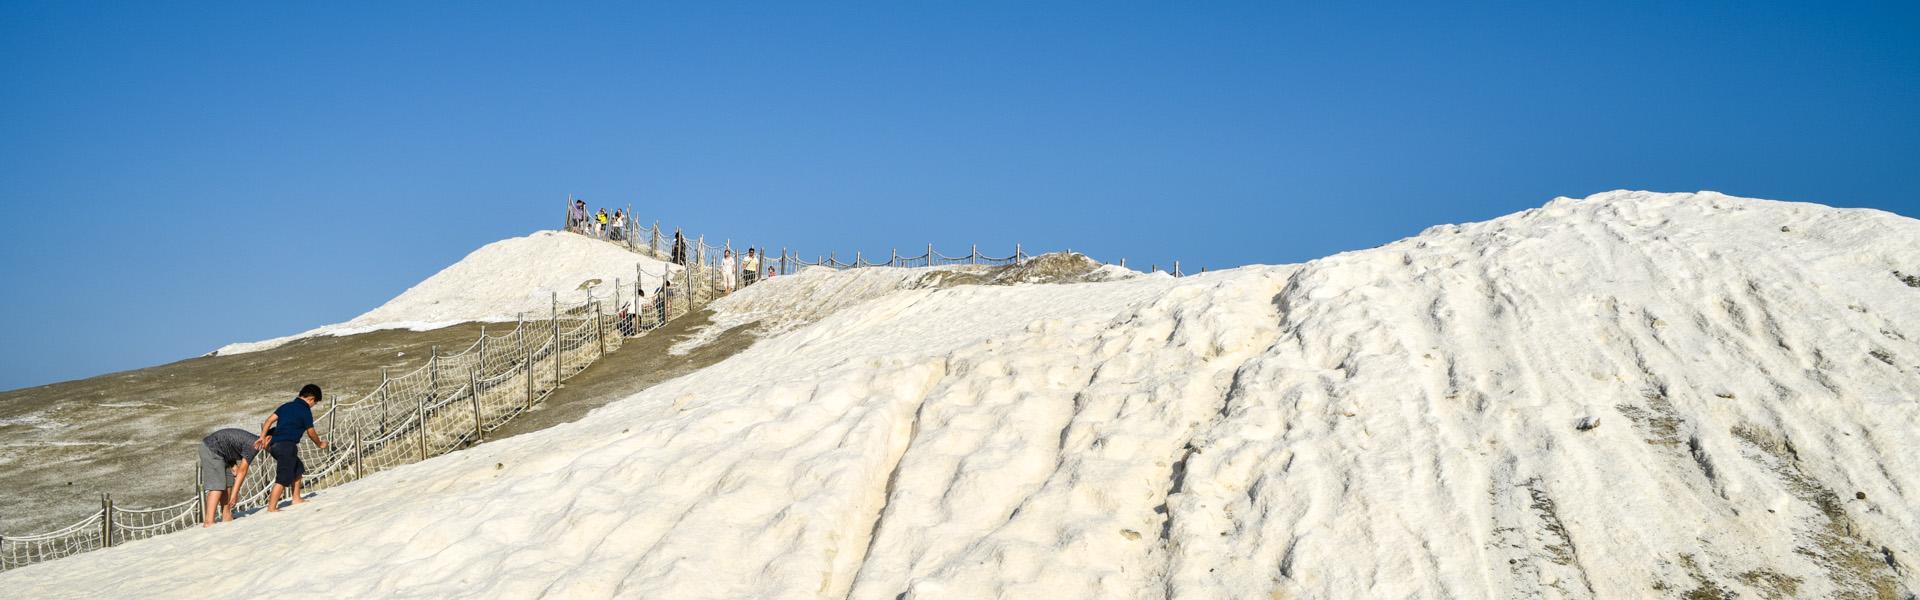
(174, 177)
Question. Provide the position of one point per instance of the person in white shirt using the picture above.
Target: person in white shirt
(749, 267)
(727, 270)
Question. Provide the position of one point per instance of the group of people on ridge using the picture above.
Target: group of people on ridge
(225, 456)
(748, 269)
(596, 224)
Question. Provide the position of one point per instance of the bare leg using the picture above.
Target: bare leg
(273, 498)
(296, 491)
(212, 505)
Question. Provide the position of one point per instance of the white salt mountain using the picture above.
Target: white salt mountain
(499, 282)
(1400, 422)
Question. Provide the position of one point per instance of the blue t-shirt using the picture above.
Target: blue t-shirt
(295, 419)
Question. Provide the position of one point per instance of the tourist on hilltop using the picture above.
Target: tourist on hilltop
(749, 268)
(726, 270)
(577, 217)
(619, 230)
(679, 256)
(224, 458)
(600, 224)
(280, 436)
(769, 272)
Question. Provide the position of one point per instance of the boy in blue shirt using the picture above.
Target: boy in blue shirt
(280, 435)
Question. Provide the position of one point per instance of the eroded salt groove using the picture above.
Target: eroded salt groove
(1631, 395)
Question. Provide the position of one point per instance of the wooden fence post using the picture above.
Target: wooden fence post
(359, 451)
(420, 407)
(386, 397)
(526, 361)
(106, 520)
(473, 392)
(556, 341)
(433, 372)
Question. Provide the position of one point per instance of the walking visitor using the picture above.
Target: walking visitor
(726, 269)
(280, 436)
(224, 458)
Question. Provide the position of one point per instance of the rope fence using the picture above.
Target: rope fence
(451, 402)
(455, 399)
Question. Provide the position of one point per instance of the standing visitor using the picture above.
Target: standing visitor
(640, 306)
(280, 435)
(600, 224)
(577, 217)
(726, 270)
(679, 256)
(662, 298)
(769, 272)
(224, 458)
(749, 268)
(619, 225)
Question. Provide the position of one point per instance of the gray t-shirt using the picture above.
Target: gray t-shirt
(232, 445)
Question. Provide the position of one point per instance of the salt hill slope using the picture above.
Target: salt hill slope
(1632, 395)
(497, 283)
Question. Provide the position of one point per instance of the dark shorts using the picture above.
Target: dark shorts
(286, 461)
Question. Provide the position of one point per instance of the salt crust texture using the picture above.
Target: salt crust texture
(1626, 396)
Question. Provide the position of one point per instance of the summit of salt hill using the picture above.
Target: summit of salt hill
(1628, 395)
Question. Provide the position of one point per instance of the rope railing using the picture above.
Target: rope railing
(457, 397)
(451, 402)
